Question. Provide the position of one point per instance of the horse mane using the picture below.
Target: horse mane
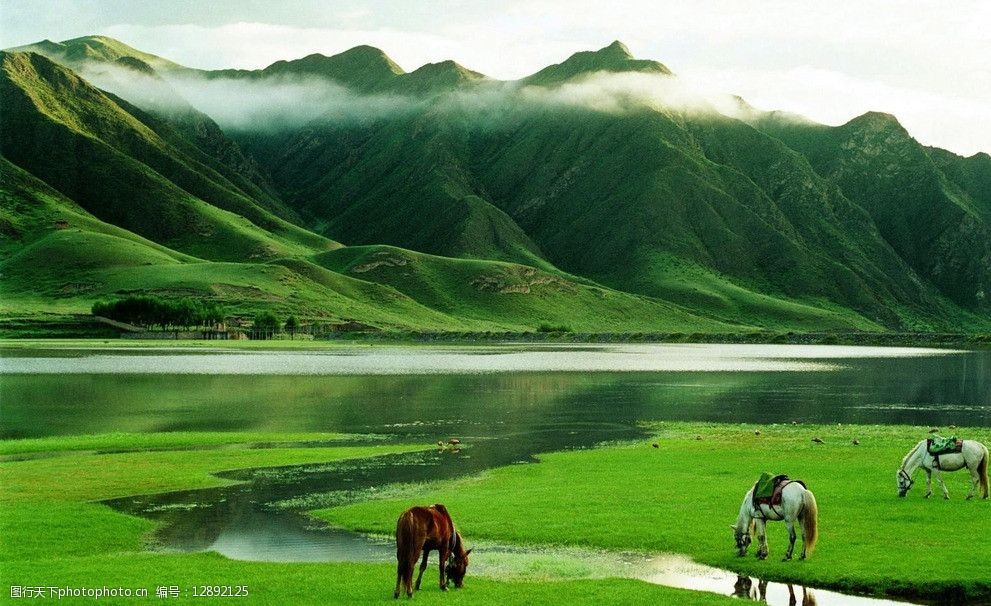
(910, 453)
(456, 542)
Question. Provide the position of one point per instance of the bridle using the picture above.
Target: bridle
(904, 475)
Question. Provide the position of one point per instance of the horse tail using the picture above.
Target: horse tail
(982, 471)
(810, 521)
(406, 550)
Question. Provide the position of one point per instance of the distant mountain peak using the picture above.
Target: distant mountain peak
(448, 68)
(615, 57)
(616, 49)
(364, 68)
(877, 122)
(94, 48)
(439, 77)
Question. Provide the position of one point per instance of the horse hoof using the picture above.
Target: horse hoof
(786, 559)
(946, 497)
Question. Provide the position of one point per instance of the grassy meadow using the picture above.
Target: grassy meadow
(53, 532)
(682, 497)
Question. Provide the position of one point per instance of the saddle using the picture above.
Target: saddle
(941, 446)
(767, 490)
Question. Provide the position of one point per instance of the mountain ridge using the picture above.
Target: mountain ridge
(647, 216)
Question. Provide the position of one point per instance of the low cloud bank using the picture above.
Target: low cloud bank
(283, 102)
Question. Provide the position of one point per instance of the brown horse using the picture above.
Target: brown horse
(423, 529)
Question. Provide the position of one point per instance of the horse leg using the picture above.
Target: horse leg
(929, 482)
(408, 573)
(444, 554)
(939, 478)
(791, 538)
(423, 566)
(975, 480)
(761, 539)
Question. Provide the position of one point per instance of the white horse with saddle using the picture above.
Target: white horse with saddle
(789, 501)
(953, 456)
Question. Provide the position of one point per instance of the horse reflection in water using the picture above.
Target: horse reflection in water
(745, 588)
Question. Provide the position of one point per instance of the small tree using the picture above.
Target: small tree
(265, 324)
(292, 325)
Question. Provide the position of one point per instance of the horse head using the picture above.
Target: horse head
(743, 540)
(457, 567)
(905, 482)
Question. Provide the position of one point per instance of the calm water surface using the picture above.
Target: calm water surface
(507, 403)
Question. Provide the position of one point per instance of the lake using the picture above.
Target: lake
(557, 396)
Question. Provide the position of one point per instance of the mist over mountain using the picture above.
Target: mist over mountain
(603, 180)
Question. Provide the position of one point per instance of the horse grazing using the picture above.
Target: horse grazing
(421, 530)
(797, 503)
(973, 455)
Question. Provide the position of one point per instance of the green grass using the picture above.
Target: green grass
(682, 497)
(333, 583)
(52, 533)
(179, 439)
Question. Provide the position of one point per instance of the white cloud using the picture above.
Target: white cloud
(927, 61)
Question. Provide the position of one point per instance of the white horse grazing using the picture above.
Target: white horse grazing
(973, 456)
(797, 503)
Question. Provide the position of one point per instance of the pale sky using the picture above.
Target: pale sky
(927, 62)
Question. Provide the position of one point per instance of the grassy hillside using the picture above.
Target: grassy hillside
(89, 147)
(84, 49)
(511, 296)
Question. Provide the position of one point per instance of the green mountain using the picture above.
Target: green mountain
(132, 170)
(86, 49)
(473, 204)
(932, 206)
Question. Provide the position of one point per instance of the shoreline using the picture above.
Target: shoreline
(933, 340)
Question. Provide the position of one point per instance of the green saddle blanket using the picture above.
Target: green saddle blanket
(939, 445)
(764, 489)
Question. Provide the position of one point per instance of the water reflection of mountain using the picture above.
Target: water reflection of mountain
(534, 406)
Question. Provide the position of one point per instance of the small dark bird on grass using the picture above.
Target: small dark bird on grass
(934, 430)
(756, 432)
(953, 426)
(818, 440)
(454, 441)
(699, 437)
(856, 442)
(656, 445)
